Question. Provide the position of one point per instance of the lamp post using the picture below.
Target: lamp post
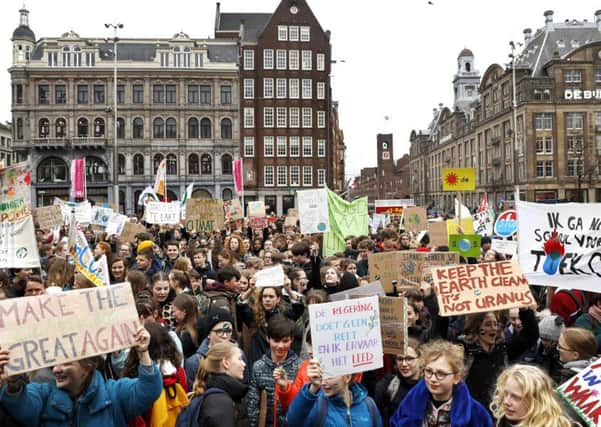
(115, 27)
(516, 178)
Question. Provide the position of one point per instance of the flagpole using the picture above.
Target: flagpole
(242, 186)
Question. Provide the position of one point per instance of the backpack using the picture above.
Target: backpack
(579, 306)
(189, 416)
(322, 411)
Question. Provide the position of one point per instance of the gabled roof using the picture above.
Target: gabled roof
(254, 24)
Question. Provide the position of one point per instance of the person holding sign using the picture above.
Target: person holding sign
(81, 397)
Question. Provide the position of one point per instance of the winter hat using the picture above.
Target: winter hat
(348, 281)
(145, 244)
(551, 327)
(219, 315)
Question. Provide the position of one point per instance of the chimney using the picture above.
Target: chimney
(549, 20)
(527, 36)
(217, 17)
(598, 19)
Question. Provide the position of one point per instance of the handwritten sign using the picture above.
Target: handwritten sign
(204, 215)
(347, 336)
(18, 245)
(130, 230)
(415, 219)
(48, 217)
(393, 317)
(313, 211)
(163, 213)
(115, 224)
(291, 218)
(233, 210)
(46, 330)
(506, 247)
(437, 231)
(100, 216)
(270, 277)
(256, 209)
(368, 290)
(582, 393)
(466, 245)
(474, 288)
(15, 191)
(484, 222)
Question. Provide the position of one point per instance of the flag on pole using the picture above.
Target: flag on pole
(148, 195)
(465, 212)
(187, 194)
(78, 179)
(159, 182)
(238, 183)
(483, 204)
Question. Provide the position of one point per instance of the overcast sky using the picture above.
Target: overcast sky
(400, 56)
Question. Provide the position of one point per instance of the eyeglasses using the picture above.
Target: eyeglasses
(223, 333)
(407, 359)
(560, 347)
(440, 375)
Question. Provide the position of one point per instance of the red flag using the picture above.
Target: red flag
(78, 179)
(238, 183)
(483, 204)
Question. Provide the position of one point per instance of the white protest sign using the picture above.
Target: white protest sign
(484, 222)
(506, 247)
(100, 216)
(95, 270)
(578, 227)
(347, 336)
(374, 288)
(163, 213)
(313, 211)
(269, 277)
(115, 224)
(83, 212)
(582, 393)
(46, 330)
(18, 245)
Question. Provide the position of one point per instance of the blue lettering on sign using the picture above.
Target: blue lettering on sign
(506, 228)
(81, 251)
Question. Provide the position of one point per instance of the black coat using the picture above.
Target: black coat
(387, 406)
(224, 409)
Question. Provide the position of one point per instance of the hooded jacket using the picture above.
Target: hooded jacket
(224, 409)
(388, 404)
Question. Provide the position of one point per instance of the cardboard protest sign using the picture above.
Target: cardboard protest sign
(46, 330)
(582, 391)
(437, 231)
(466, 245)
(100, 216)
(233, 210)
(82, 211)
(374, 288)
(346, 336)
(415, 219)
(458, 179)
(313, 211)
(291, 218)
(47, 217)
(506, 247)
(18, 245)
(484, 222)
(467, 226)
(204, 215)
(385, 267)
(269, 277)
(163, 213)
(15, 191)
(578, 227)
(130, 229)
(474, 288)
(393, 317)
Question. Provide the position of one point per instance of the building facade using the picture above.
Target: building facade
(289, 124)
(6, 149)
(177, 99)
(552, 138)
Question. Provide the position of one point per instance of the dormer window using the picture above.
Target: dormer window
(468, 67)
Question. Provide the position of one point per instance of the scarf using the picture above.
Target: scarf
(595, 312)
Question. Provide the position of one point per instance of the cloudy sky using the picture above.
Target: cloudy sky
(396, 59)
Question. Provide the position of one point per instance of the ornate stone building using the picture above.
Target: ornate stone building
(6, 149)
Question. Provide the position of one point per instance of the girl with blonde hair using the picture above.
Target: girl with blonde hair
(524, 397)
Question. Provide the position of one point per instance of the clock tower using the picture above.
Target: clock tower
(385, 154)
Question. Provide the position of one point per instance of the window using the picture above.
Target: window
(294, 176)
(306, 60)
(249, 59)
(193, 94)
(205, 95)
(52, 169)
(294, 117)
(18, 94)
(249, 117)
(171, 164)
(205, 128)
(321, 62)
(597, 75)
(121, 164)
(305, 34)
(60, 128)
(281, 146)
(575, 167)
(171, 128)
(267, 88)
(121, 127)
(43, 94)
(98, 128)
(294, 88)
(120, 94)
(294, 146)
(52, 59)
(226, 94)
(158, 128)
(164, 59)
(138, 94)
(321, 119)
(268, 176)
(282, 175)
(193, 128)
(60, 94)
(206, 164)
(544, 168)
(158, 94)
(198, 60)
(193, 164)
(99, 94)
(226, 164)
(293, 33)
(268, 59)
(543, 121)
(249, 146)
(249, 88)
(308, 176)
(574, 144)
(44, 128)
(307, 89)
(138, 164)
(158, 158)
(280, 91)
(280, 59)
(281, 116)
(19, 131)
(321, 177)
(572, 76)
(282, 33)
(544, 145)
(138, 128)
(321, 90)
(293, 59)
(268, 117)
(307, 117)
(268, 146)
(307, 146)
(321, 148)
(574, 120)
(82, 94)
(226, 129)
(170, 94)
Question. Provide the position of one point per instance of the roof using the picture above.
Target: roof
(254, 24)
(24, 32)
(465, 52)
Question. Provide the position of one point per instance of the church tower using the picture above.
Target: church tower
(466, 81)
(23, 40)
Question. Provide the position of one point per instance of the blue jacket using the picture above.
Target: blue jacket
(465, 411)
(105, 403)
(303, 410)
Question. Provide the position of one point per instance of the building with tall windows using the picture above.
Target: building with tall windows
(6, 149)
(552, 138)
(177, 99)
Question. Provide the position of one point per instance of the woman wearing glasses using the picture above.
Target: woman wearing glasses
(392, 389)
(441, 398)
(577, 347)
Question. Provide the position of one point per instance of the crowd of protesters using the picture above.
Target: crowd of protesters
(215, 350)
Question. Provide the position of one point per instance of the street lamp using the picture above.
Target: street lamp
(115, 27)
(516, 178)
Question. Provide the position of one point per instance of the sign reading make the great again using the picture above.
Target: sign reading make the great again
(579, 94)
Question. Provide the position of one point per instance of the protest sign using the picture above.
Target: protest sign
(393, 318)
(346, 219)
(269, 277)
(392, 207)
(100, 216)
(484, 222)
(458, 179)
(163, 213)
(115, 224)
(233, 210)
(379, 220)
(291, 218)
(415, 219)
(506, 247)
(47, 217)
(95, 270)
(313, 211)
(256, 209)
(204, 215)
(374, 288)
(130, 229)
(346, 336)
(47, 330)
(15, 191)
(582, 392)
(437, 231)
(506, 224)
(467, 226)
(385, 267)
(474, 288)
(578, 227)
(18, 245)
(82, 211)
(466, 245)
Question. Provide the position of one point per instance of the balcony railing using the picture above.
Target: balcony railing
(89, 142)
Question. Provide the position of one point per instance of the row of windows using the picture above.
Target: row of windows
(574, 167)
(544, 121)
(282, 176)
(285, 59)
(285, 88)
(282, 146)
(294, 33)
(575, 76)
(282, 117)
(54, 170)
(574, 144)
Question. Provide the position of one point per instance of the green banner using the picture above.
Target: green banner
(346, 218)
(467, 245)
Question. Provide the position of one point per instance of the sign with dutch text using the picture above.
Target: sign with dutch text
(313, 211)
(204, 215)
(18, 245)
(484, 222)
(163, 213)
(582, 392)
(415, 219)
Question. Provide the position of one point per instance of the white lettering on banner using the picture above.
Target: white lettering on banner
(163, 213)
(313, 211)
(18, 245)
(579, 94)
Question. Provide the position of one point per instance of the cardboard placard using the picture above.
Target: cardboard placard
(233, 210)
(467, 225)
(415, 219)
(475, 288)
(466, 245)
(437, 231)
(393, 316)
(270, 277)
(48, 217)
(313, 211)
(46, 330)
(370, 289)
(582, 391)
(130, 230)
(204, 215)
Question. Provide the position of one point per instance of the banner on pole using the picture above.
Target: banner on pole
(18, 245)
(458, 179)
(163, 213)
(313, 211)
(15, 191)
(346, 219)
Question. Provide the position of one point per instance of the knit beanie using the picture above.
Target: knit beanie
(550, 327)
(145, 244)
